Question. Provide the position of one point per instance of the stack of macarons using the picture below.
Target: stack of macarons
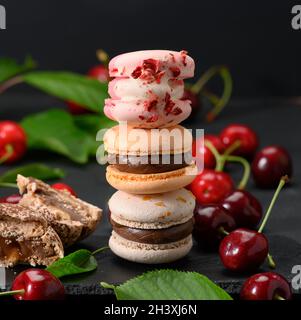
(149, 156)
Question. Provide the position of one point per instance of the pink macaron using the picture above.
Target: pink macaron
(148, 88)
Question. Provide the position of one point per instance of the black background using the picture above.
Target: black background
(254, 38)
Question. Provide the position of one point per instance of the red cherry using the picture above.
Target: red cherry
(210, 224)
(194, 98)
(98, 72)
(13, 199)
(11, 135)
(211, 187)
(242, 133)
(203, 153)
(38, 285)
(243, 250)
(270, 164)
(266, 286)
(65, 187)
(244, 208)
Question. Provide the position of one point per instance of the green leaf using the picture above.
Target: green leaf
(54, 130)
(10, 68)
(89, 93)
(78, 262)
(169, 285)
(92, 123)
(35, 170)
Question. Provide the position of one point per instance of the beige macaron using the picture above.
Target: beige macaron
(155, 211)
(126, 140)
(149, 253)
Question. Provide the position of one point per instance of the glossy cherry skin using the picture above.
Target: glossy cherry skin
(243, 250)
(13, 199)
(12, 134)
(244, 208)
(98, 72)
(211, 187)
(266, 286)
(38, 284)
(270, 164)
(247, 137)
(201, 152)
(65, 187)
(208, 221)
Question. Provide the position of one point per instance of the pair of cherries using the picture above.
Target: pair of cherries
(268, 165)
(228, 225)
(15, 198)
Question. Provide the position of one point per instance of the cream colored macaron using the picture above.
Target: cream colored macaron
(154, 211)
(126, 140)
(149, 253)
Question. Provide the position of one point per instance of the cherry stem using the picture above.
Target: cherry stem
(282, 182)
(218, 102)
(8, 185)
(271, 262)
(10, 83)
(278, 297)
(9, 151)
(235, 145)
(99, 250)
(103, 57)
(12, 293)
(217, 156)
(247, 170)
(222, 231)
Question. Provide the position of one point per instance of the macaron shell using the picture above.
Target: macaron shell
(153, 211)
(127, 140)
(124, 64)
(135, 114)
(151, 183)
(147, 253)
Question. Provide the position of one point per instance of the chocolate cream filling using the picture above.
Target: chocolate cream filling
(154, 236)
(146, 164)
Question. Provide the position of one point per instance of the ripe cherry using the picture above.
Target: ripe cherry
(36, 284)
(270, 164)
(13, 199)
(194, 98)
(99, 72)
(244, 249)
(65, 187)
(13, 142)
(211, 187)
(244, 208)
(266, 286)
(245, 135)
(210, 225)
(202, 152)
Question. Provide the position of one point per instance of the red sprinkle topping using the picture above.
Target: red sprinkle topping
(169, 104)
(173, 59)
(176, 111)
(114, 70)
(153, 118)
(175, 71)
(141, 117)
(151, 64)
(137, 73)
(184, 56)
(150, 105)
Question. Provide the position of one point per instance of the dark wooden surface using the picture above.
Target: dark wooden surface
(276, 121)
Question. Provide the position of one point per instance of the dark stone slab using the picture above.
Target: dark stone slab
(276, 121)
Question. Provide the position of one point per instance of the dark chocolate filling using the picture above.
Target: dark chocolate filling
(146, 165)
(154, 236)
